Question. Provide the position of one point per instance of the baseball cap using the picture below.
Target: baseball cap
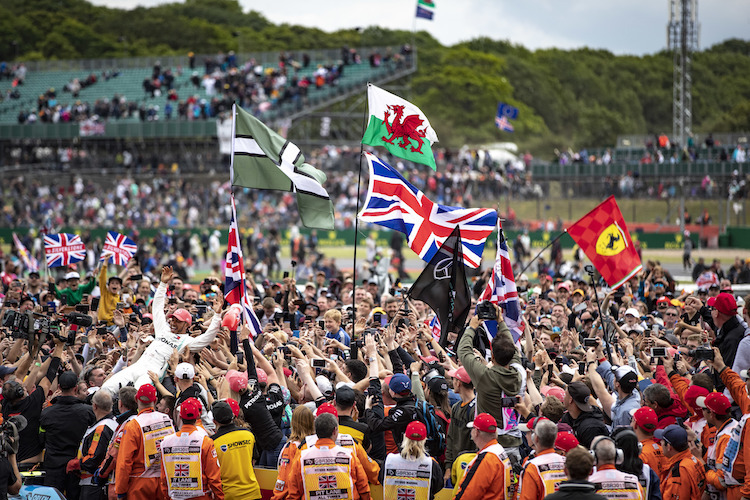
(579, 292)
(67, 380)
(715, 401)
(190, 409)
(72, 275)
(416, 431)
(345, 396)
(262, 376)
(529, 426)
(182, 315)
(327, 408)
(672, 434)
(184, 371)
(237, 380)
(645, 418)
(234, 405)
(33, 273)
(400, 383)
(692, 393)
(483, 422)
(222, 412)
(662, 300)
(5, 369)
(632, 311)
(563, 285)
(627, 378)
(324, 385)
(146, 393)
(553, 390)
(460, 374)
(437, 384)
(726, 304)
(565, 441)
(429, 359)
(580, 394)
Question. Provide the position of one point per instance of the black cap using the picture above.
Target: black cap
(437, 384)
(33, 273)
(222, 412)
(581, 395)
(114, 278)
(345, 396)
(67, 380)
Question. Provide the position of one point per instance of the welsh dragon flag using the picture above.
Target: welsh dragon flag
(399, 126)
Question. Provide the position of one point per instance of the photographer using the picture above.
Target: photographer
(497, 383)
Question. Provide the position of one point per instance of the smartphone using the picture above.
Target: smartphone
(286, 274)
(85, 298)
(658, 352)
(580, 307)
(308, 319)
(647, 333)
(240, 357)
(322, 323)
(51, 307)
(376, 317)
(318, 363)
(510, 402)
(590, 342)
(120, 306)
(136, 277)
(581, 368)
(655, 330)
(94, 303)
(82, 308)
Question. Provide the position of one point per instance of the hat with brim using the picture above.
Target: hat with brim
(580, 394)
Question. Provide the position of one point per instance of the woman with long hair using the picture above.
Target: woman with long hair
(401, 469)
(627, 441)
(303, 425)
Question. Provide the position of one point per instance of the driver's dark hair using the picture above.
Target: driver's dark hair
(503, 350)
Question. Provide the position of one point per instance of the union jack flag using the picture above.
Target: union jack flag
(63, 249)
(28, 260)
(182, 470)
(235, 291)
(405, 494)
(118, 248)
(394, 203)
(503, 124)
(327, 482)
(501, 288)
(435, 327)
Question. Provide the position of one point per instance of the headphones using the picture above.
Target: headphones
(624, 431)
(15, 390)
(619, 456)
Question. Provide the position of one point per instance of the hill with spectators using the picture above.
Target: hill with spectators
(569, 98)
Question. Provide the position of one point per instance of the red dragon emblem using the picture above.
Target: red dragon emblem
(406, 129)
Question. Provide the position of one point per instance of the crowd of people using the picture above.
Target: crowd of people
(134, 383)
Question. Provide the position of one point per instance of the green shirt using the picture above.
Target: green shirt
(73, 297)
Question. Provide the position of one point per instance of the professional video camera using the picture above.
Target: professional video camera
(9, 434)
(701, 353)
(31, 325)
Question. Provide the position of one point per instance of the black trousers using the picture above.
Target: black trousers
(66, 483)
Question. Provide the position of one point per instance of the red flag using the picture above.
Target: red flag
(604, 238)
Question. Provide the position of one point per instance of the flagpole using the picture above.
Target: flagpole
(356, 217)
(565, 231)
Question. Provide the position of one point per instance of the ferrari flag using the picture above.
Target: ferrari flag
(399, 126)
(604, 238)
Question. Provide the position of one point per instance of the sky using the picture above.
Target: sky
(623, 27)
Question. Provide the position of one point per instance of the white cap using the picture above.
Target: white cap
(184, 371)
(633, 312)
(72, 275)
(324, 385)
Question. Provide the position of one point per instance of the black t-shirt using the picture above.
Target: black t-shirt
(275, 403)
(7, 477)
(30, 407)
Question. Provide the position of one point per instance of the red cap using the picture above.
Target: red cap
(416, 431)
(327, 408)
(190, 409)
(182, 315)
(645, 418)
(287, 372)
(726, 304)
(429, 359)
(693, 392)
(553, 390)
(262, 376)
(529, 426)
(565, 441)
(563, 285)
(484, 422)
(234, 405)
(237, 380)
(146, 393)
(711, 301)
(662, 299)
(460, 374)
(715, 401)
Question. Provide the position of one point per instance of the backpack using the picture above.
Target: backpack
(435, 443)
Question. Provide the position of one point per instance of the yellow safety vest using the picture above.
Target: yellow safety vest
(327, 472)
(458, 469)
(155, 426)
(407, 479)
(613, 483)
(550, 469)
(181, 453)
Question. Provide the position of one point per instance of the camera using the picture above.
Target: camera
(10, 429)
(510, 402)
(19, 324)
(486, 310)
(701, 353)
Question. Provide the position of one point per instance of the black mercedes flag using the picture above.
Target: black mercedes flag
(443, 286)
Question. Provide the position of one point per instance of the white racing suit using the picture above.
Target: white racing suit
(156, 356)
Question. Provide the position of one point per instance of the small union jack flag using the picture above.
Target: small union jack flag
(503, 124)
(118, 248)
(235, 288)
(63, 249)
(394, 203)
(327, 482)
(182, 470)
(31, 264)
(405, 494)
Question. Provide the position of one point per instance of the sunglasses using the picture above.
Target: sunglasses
(670, 314)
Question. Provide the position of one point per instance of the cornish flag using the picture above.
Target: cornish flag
(118, 248)
(501, 288)
(235, 291)
(182, 470)
(63, 249)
